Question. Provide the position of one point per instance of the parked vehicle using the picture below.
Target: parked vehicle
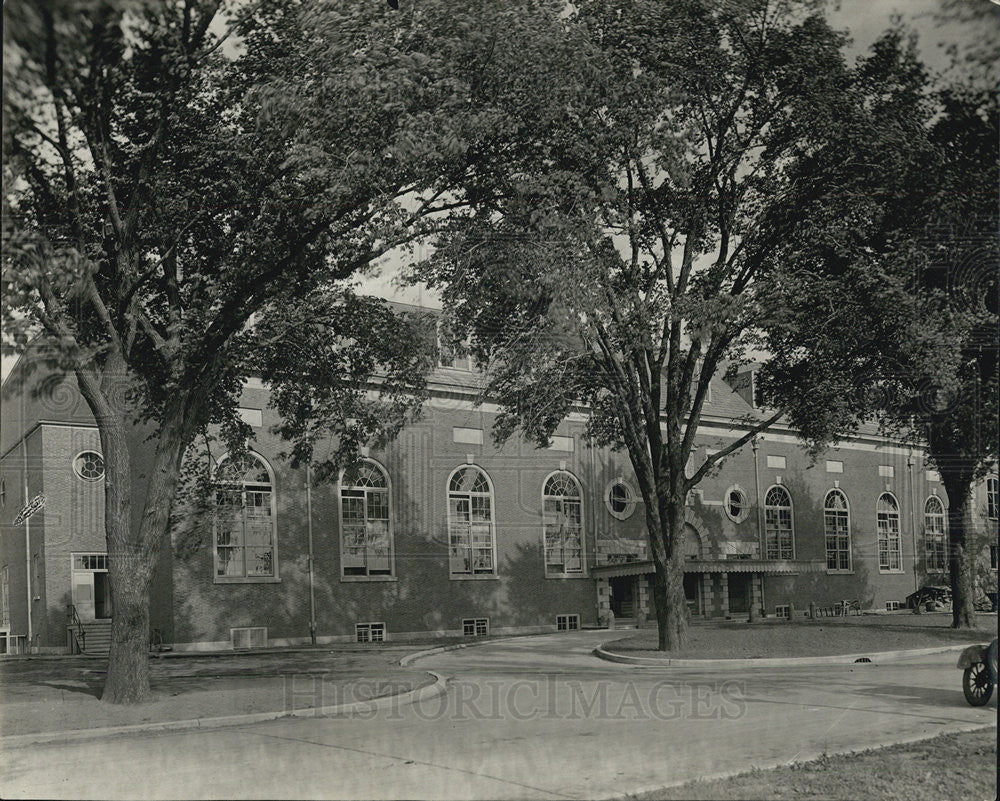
(979, 672)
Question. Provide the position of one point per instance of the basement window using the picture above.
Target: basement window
(781, 610)
(892, 606)
(567, 622)
(369, 632)
(476, 626)
(248, 638)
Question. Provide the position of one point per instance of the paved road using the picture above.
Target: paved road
(526, 718)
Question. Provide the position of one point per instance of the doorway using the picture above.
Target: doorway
(739, 593)
(622, 596)
(692, 593)
(91, 590)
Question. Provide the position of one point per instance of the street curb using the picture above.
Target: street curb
(779, 661)
(433, 690)
(409, 659)
(799, 760)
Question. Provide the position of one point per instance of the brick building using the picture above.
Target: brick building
(442, 533)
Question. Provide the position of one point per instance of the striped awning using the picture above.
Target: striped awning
(771, 566)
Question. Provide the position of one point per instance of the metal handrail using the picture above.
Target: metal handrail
(81, 632)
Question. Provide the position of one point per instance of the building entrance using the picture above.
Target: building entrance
(91, 589)
(623, 596)
(692, 593)
(739, 593)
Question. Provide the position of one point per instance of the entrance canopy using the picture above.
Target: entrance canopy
(773, 566)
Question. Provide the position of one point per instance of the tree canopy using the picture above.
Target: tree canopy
(186, 181)
(695, 191)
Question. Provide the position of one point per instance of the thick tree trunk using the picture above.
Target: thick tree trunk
(128, 667)
(132, 550)
(960, 561)
(129, 569)
(668, 580)
(129, 573)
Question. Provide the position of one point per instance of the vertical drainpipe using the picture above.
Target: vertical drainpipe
(760, 512)
(595, 508)
(27, 524)
(913, 528)
(309, 524)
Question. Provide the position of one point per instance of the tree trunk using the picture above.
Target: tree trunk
(128, 667)
(129, 573)
(960, 561)
(668, 580)
(132, 550)
(129, 569)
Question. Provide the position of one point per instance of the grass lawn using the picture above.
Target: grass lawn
(946, 767)
(822, 637)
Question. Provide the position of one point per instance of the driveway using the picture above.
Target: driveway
(534, 717)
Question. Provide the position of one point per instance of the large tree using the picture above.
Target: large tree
(176, 170)
(648, 193)
(929, 179)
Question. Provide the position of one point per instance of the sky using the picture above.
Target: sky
(864, 19)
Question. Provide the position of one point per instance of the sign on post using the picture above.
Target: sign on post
(36, 503)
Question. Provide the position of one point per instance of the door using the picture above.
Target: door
(91, 591)
(739, 593)
(623, 596)
(83, 594)
(692, 593)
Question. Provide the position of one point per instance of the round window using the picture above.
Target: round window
(89, 466)
(737, 504)
(620, 499)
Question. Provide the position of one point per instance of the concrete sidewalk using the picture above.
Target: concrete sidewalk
(53, 699)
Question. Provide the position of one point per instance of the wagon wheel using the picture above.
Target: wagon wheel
(977, 684)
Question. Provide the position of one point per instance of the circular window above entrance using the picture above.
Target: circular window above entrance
(737, 504)
(620, 499)
(89, 465)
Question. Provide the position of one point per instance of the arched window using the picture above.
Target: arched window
(935, 539)
(992, 498)
(837, 525)
(470, 523)
(890, 557)
(778, 529)
(562, 502)
(245, 536)
(691, 544)
(365, 522)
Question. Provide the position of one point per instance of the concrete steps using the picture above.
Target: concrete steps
(98, 641)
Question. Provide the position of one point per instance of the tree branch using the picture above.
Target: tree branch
(734, 446)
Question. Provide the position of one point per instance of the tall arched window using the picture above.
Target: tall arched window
(935, 539)
(837, 525)
(778, 530)
(691, 544)
(562, 502)
(470, 523)
(365, 523)
(245, 536)
(890, 557)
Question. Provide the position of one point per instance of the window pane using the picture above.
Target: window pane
(229, 561)
(260, 562)
(378, 547)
